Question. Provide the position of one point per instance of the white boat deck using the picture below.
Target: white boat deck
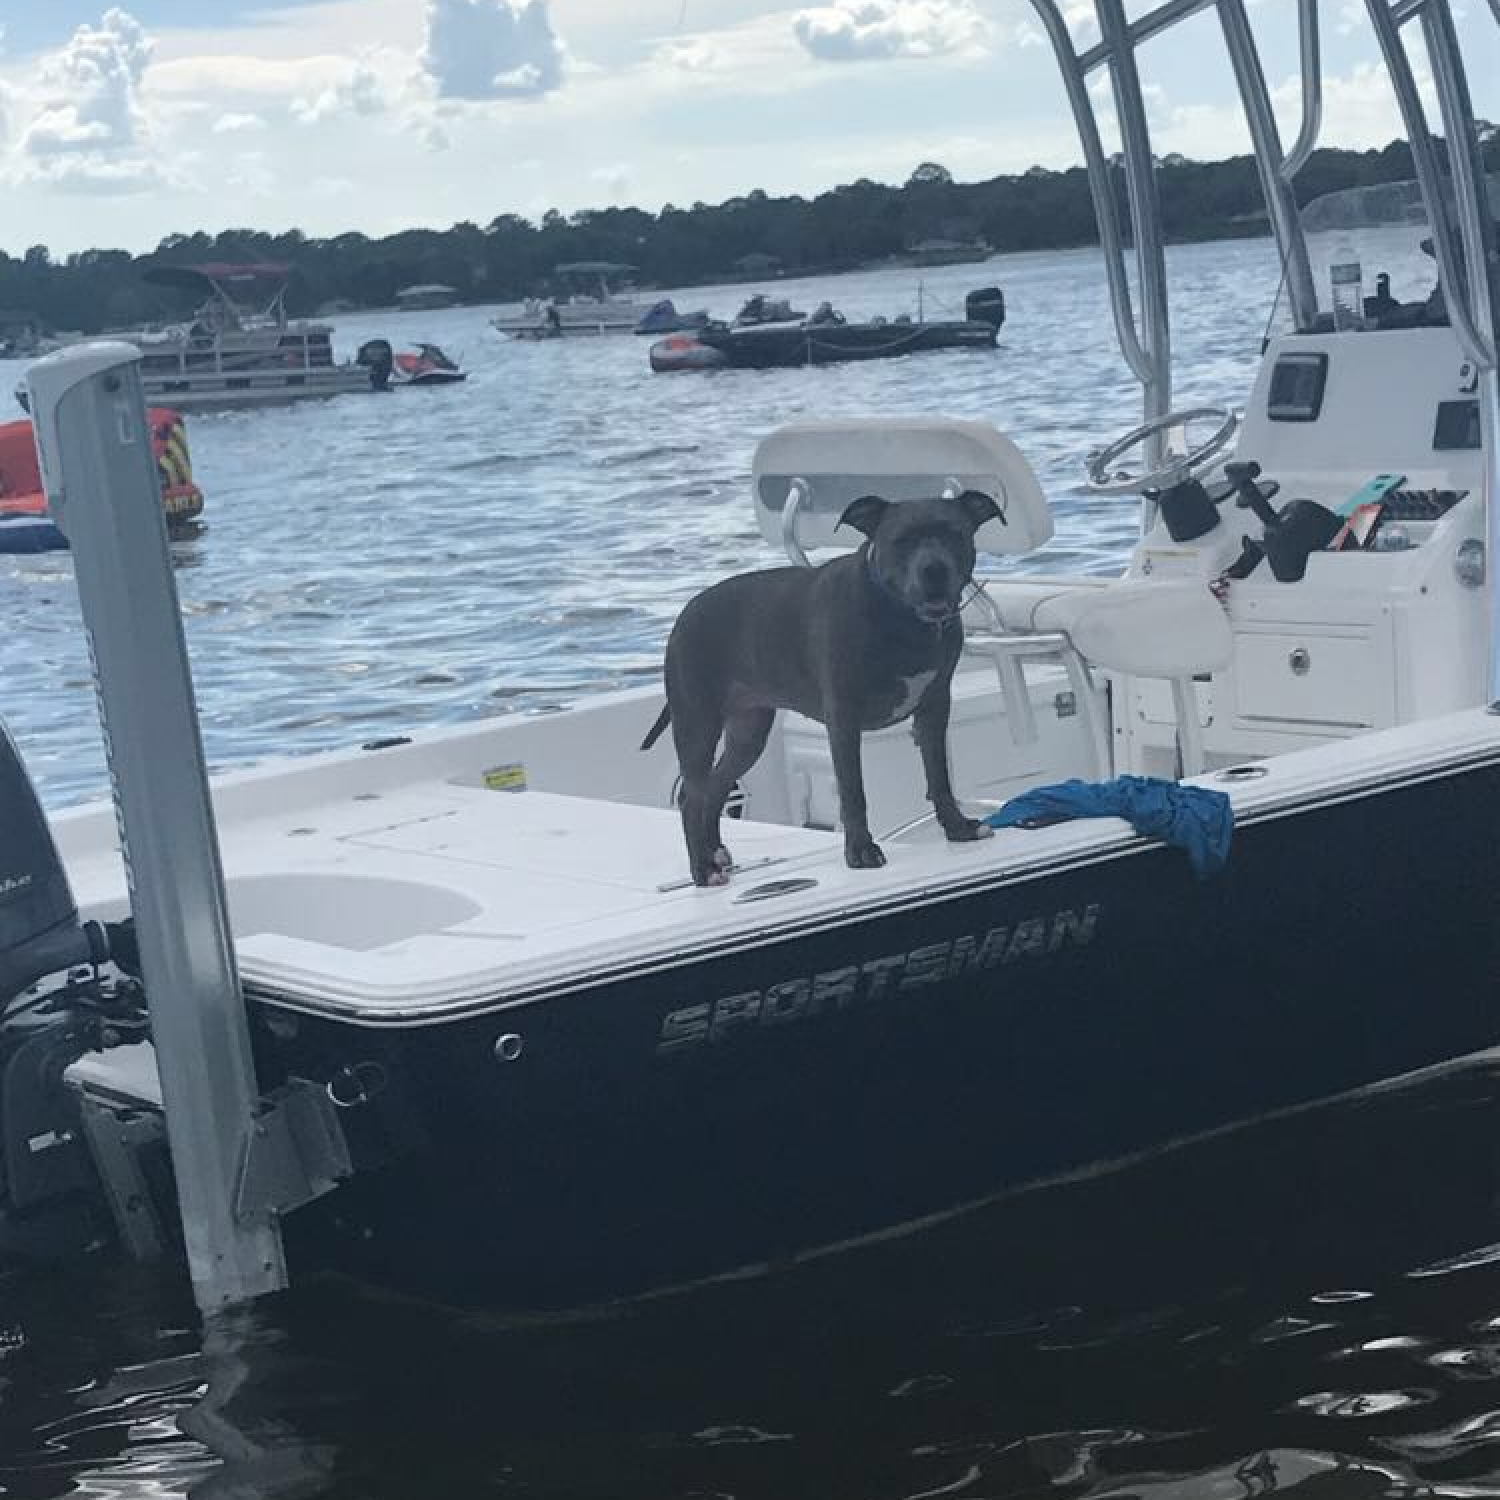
(421, 900)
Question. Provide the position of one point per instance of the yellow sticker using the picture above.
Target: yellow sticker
(506, 778)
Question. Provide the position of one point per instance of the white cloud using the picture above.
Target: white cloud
(235, 124)
(246, 76)
(93, 174)
(90, 90)
(252, 174)
(615, 177)
(492, 49)
(851, 30)
(358, 93)
(432, 135)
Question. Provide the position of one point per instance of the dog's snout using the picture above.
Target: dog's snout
(935, 578)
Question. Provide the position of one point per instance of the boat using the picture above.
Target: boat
(588, 307)
(761, 309)
(240, 348)
(826, 338)
(663, 317)
(443, 1013)
(421, 365)
(26, 525)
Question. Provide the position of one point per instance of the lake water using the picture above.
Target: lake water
(379, 564)
(1310, 1305)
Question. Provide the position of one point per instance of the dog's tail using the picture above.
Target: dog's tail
(662, 720)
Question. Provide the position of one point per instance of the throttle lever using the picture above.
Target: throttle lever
(1249, 495)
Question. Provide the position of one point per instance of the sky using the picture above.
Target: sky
(122, 124)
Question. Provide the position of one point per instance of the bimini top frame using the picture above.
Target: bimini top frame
(1452, 182)
(1146, 341)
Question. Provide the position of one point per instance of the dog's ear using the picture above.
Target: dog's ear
(979, 508)
(865, 514)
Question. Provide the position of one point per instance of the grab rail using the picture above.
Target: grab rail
(1145, 341)
(1465, 250)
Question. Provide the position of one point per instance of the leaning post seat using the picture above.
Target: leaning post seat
(805, 475)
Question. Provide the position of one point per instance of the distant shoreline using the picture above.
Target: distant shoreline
(756, 239)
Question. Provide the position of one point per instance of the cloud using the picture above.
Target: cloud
(90, 87)
(98, 175)
(615, 177)
(234, 124)
(855, 30)
(359, 93)
(432, 135)
(492, 49)
(252, 174)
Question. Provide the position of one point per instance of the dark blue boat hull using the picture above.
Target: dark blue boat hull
(755, 1107)
(779, 345)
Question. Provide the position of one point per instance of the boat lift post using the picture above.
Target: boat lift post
(104, 493)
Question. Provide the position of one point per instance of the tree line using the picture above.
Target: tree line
(511, 257)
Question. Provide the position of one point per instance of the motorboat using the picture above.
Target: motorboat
(240, 348)
(423, 364)
(664, 317)
(27, 526)
(444, 1012)
(761, 309)
(588, 307)
(826, 337)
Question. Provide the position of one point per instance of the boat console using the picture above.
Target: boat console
(1345, 538)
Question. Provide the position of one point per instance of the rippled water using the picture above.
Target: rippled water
(507, 544)
(1310, 1305)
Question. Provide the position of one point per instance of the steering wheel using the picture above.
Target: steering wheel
(1105, 479)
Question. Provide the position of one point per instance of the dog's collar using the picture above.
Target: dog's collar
(888, 596)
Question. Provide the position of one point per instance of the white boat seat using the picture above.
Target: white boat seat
(805, 475)
(1175, 631)
(1143, 629)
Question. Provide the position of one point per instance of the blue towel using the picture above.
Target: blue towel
(1187, 817)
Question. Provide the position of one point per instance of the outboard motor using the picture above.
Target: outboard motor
(376, 356)
(50, 1202)
(986, 305)
(40, 933)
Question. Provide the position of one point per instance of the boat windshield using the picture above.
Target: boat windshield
(1370, 249)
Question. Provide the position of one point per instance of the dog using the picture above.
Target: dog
(859, 643)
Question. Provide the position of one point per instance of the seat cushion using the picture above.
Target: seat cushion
(1017, 598)
(1143, 629)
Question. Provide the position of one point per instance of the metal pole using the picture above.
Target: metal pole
(1101, 189)
(1270, 161)
(103, 491)
(1145, 217)
(1465, 251)
(1387, 24)
(1311, 52)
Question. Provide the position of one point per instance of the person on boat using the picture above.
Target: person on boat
(554, 321)
(823, 313)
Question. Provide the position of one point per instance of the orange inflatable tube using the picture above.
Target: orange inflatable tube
(21, 492)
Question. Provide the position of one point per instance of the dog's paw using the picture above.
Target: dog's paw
(723, 858)
(863, 856)
(713, 876)
(967, 830)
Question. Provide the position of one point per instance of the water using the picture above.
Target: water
(377, 565)
(1308, 1305)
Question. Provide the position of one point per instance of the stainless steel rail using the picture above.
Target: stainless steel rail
(1145, 340)
(1463, 229)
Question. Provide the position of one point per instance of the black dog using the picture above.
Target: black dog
(859, 643)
